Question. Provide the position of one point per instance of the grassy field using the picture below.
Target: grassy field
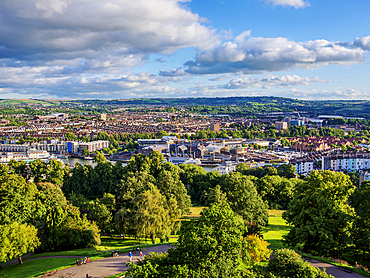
(194, 213)
(35, 268)
(277, 227)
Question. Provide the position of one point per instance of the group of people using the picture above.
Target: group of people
(141, 256)
(83, 261)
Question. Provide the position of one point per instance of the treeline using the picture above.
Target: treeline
(37, 215)
(147, 197)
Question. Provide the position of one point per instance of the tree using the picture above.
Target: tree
(243, 198)
(212, 246)
(100, 157)
(361, 227)
(85, 152)
(152, 217)
(287, 263)
(17, 239)
(16, 199)
(69, 136)
(38, 170)
(319, 213)
(241, 167)
(286, 170)
(102, 217)
(55, 172)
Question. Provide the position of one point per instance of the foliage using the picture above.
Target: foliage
(17, 239)
(212, 246)
(257, 249)
(288, 264)
(276, 190)
(17, 199)
(319, 214)
(243, 198)
(360, 200)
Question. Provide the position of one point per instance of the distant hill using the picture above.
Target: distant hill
(238, 106)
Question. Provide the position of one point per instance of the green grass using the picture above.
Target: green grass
(35, 268)
(277, 227)
(194, 213)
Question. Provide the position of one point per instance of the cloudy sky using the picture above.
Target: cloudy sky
(108, 49)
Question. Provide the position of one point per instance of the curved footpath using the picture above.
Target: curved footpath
(114, 265)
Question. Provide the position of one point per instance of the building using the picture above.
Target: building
(297, 122)
(78, 147)
(103, 117)
(281, 125)
(215, 127)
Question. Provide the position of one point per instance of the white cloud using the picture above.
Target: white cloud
(288, 3)
(269, 81)
(363, 43)
(50, 28)
(257, 55)
(242, 36)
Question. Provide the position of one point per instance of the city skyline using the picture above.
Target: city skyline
(90, 49)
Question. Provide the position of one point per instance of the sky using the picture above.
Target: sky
(122, 49)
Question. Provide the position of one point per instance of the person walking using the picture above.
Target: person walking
(130, 256)
(141, 256)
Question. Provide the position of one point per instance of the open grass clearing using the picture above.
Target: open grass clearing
(277, 227)
(35, 268)
(194, 213)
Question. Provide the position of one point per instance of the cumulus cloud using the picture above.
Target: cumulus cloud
(363, 43)
(257, 55)
(77, 43)
(288, 3)
(269, 81)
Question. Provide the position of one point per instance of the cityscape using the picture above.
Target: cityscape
(184, 139)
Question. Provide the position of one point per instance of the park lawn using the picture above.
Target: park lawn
(194, 213)
(35, 268)
(108, 244)
(277, 227)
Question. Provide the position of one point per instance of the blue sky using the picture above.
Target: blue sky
(94, 49)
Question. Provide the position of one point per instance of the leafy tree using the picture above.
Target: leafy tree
(243, 198)
(102, 217)
(85, 152)
(319, 214)
(100, 157)
(288, 264)
(55, 172)
(69, 136)
(17, 239)
(17, 202)
(215, 196)
(277, 191)
(241, 167)
(361, 227)
(257, 249)
(38, 170)
(212, 246)
(286, 170)
(152, 216)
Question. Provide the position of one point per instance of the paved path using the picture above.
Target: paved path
(334, 270)
(105, 267)
(114, 265)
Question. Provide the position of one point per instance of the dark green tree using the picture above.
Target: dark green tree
(320, 215)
